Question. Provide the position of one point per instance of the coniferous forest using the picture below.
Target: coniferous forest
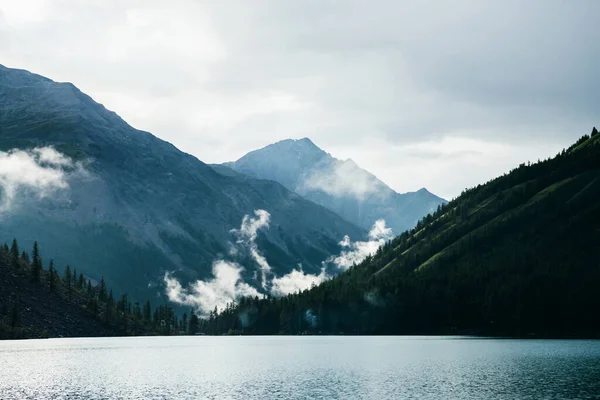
(519, 256)
(38, 300)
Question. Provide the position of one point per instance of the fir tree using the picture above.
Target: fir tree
(110, 305)
(36, 262)
(194, 322)
(51, 276)
(67, 278)
(137, 311)
(184, 322)
(147, 311)
(102, 290)
(14, 253)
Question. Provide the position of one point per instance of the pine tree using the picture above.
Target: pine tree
(51, 275)
(35, 254)
(102, 290)
(14, 253)
(147, 311)
(67, 278)
(137, 311)
(594, 132)
(184, 323)
(81, 282)
(110, 305)
(25, 256)
(36, 267)
(74, 280)
(194, 322)
(36, 262)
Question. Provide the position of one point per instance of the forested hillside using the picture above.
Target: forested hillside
(519, 255)
(38, 302)
(156, 208)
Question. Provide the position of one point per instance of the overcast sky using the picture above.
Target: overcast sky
(433, 94)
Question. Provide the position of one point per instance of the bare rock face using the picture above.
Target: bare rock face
(136, 206)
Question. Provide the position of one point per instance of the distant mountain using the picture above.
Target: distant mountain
(515, 256)
(136, 206)
(342, 186)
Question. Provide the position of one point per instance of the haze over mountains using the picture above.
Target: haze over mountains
(342, 186)
(119, 202)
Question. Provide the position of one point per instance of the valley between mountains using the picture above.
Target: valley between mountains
(287, 239)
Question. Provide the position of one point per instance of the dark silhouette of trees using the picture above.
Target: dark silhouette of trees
(515, 256)
(68, 280)
(51, 276)
(35, 254)
(194, 323)
(81, 282)
(14, 253)
(147, 311)
(102, 294)
(15, 317)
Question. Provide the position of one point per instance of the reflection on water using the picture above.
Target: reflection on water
(299, 368)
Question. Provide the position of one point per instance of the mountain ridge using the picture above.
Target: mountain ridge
(157, 208)
(340, 185)
(516, 256)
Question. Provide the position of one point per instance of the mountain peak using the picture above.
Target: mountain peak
(157, 208)
(340, 185)
(305, 141)
(303, 150)
(303, 144)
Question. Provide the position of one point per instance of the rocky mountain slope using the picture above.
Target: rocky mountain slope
(129, 206)
(342, 186)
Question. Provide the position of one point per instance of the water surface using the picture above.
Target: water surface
(293, 367)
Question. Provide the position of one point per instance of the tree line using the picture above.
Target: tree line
(515, 256)
(121, 314)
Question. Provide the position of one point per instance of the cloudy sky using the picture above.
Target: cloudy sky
(431, 94)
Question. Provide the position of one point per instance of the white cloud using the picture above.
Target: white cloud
(50, 156)
(345, 178)
(41, 171)
(297, 280)
(227, 284)
(379, 231)
(225, 287)
(357, 251)
(247, 237)
(364, 80)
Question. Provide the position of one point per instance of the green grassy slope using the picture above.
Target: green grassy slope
(518, 255)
